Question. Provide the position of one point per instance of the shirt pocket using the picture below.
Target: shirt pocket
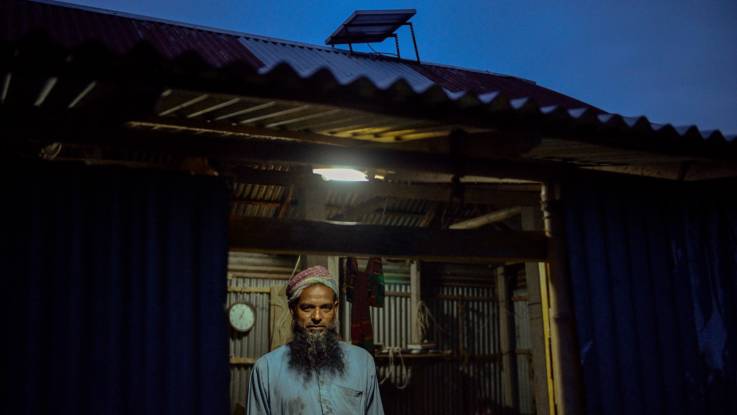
(349, 399)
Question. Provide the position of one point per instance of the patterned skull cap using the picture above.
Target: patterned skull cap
(310, 276)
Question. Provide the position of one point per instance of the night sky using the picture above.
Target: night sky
(674, 61)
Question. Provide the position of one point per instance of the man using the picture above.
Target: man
(315, 373)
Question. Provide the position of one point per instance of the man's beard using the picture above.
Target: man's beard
(315, 351)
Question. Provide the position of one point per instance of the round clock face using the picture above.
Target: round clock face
(241, 317)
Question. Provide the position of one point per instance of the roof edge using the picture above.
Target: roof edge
(286, 42)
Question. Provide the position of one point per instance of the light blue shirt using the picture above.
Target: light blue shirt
(275, 388)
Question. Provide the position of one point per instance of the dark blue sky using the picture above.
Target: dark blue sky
(674, 61)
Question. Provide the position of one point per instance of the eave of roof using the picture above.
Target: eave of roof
(323, 85)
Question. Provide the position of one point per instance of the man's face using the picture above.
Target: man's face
(316, 309)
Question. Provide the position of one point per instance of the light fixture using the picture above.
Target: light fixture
(343, 174)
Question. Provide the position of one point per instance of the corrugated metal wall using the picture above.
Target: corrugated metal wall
(465, 311)
(654, 278)
(252, 270)
(463, 304)
(523, 352)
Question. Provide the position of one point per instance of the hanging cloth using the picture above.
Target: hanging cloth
(362, 333)
(375, 272)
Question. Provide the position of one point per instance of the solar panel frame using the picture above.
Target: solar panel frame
(370, 26)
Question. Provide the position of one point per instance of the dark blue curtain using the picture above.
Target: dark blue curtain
(654, 276)
(114, 283)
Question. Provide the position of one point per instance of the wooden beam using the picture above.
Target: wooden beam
(353, 213)
(322, 238)
(479, 221)
(441, 193)
(71, 130)
(497, 195)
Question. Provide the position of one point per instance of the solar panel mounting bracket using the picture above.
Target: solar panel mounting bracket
(373, 26)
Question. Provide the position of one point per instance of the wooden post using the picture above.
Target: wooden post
(415, 296)
(506, 339)
(564, 344)
(532, 220)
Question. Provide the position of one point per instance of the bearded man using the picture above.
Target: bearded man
(315, 373)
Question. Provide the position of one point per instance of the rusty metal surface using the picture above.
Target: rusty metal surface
(72, 26)
(252, 271)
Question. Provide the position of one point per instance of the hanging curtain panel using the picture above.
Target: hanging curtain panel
(114, 291)
(654, 278)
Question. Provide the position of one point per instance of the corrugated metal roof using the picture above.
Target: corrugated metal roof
(345, 66)
(451, 92)
(455, 79)
(72, 26)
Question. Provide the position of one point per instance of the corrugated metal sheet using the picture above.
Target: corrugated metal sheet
(523, 353)
(251, 271)
(456, 80)
(468, 326)
(471, 325)
(216, 49)
(654, 280)
(346, 67)
(392, 322)
(73, 25)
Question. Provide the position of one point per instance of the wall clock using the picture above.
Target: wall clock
(241, 317)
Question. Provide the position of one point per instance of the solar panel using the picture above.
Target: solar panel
(369, 26)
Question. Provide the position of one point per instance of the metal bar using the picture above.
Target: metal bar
(414, 41)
